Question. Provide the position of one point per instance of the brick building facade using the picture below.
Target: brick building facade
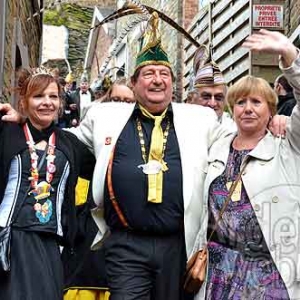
(20, 38)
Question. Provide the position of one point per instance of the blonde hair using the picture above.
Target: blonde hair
(119, 81)
(250, 85)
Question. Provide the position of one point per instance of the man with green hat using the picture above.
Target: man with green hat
(148, 180)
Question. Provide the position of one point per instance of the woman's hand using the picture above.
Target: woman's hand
(9, 114)
(278, 125)
(272, 42)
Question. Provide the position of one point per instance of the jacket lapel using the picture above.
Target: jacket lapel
(183, 133)
(265, 149)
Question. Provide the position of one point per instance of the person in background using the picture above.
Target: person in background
(100, 87)
(119, 91)
(254, 251)
(70, 112)
(84, 269)
(81, 99)
(286, 99)
(69, 82)
(63, 115)
(192, 97)
(40, 165)
(210, 85)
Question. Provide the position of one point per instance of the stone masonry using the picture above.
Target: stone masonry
(22, 40)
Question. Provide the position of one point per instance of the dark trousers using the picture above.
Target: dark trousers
(145, 267)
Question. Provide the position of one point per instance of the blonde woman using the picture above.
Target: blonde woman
(254, 253)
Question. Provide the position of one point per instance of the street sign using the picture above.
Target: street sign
(267, 16)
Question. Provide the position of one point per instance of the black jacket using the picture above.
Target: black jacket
(13, 142)
(286, 104)
(74, 97)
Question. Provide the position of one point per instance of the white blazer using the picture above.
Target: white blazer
(272, 182)
(196, 129)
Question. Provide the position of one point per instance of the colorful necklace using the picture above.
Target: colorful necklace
(152, 167)
(41, 190)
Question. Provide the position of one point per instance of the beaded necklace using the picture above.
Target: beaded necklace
(142, 140)
(41, 190)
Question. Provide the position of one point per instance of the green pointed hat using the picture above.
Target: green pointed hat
(152, 52)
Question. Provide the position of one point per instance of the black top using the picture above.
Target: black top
(131, 184)
(286, 104)
(27, 218)
(13, 143)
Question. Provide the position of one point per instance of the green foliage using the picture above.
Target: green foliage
(52, 17)
(70, 15)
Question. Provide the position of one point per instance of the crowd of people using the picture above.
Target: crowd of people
(110, 199)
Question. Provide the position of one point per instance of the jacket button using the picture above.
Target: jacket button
(275, 199)
(256, 207)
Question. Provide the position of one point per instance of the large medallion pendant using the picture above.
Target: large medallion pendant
(43, 212)
(151, 167)
(42, 191)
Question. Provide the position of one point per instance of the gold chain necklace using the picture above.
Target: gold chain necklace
(142, 140)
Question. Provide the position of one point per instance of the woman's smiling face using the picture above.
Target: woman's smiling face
(42, 108)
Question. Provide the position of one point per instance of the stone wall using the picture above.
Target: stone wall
(78, 21)
(23, 35)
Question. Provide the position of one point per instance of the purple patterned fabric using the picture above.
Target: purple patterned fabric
(231, 275)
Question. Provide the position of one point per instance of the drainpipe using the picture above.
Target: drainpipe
(179, 66)
(2, 42)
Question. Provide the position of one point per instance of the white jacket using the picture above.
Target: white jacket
(196, 129)
(272, 182)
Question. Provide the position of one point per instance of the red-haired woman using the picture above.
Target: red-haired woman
(39, 168)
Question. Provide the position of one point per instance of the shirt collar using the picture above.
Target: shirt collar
(137, 111)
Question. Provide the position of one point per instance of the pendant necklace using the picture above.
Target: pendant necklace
(41, 190)
(152, 166)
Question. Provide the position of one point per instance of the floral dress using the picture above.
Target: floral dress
(232, 272)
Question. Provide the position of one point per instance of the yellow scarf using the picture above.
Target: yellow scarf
(155, 181)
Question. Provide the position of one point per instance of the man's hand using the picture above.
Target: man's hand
(74, 122)
(272, 42)
(278, 125)
(73, 106)
(10, 114)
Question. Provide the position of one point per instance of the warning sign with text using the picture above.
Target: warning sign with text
(267, 15)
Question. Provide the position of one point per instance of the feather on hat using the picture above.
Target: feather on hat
(152, 52)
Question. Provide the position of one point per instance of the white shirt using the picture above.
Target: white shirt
(85, 102)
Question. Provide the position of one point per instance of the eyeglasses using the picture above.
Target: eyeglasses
(207, 97)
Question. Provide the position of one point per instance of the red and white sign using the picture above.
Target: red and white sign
(267, 15)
